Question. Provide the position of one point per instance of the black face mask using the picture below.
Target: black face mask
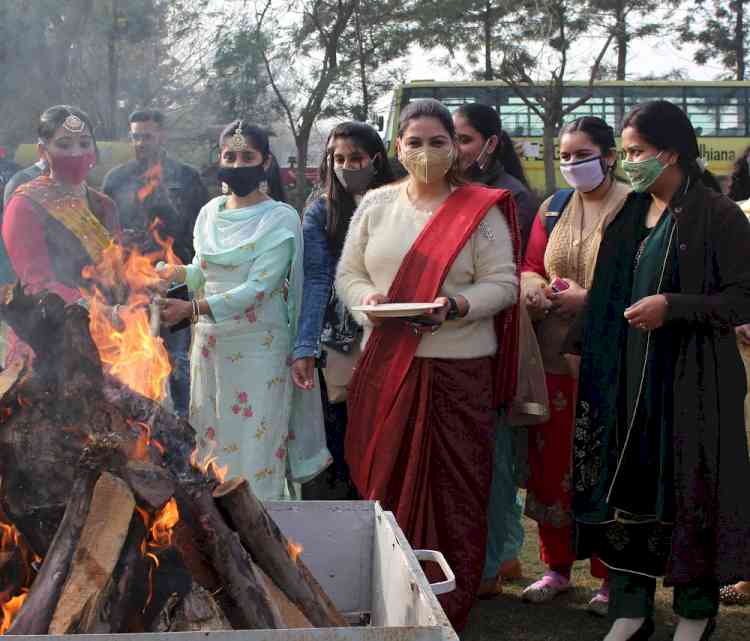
(242, 180)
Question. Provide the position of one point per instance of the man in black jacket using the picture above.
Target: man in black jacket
(157, 189)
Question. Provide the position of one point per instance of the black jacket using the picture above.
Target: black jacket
(175, 199)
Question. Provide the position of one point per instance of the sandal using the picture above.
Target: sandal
(729, 595)
(599, 604)
(546, 588)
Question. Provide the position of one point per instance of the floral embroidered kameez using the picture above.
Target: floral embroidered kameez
(244, 406)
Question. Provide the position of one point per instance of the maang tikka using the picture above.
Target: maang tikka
(237, 142)
(74, 124)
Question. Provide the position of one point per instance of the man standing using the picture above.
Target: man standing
(156, 186)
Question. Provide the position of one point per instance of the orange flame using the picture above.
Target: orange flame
(166, 519)
(159, 537)
(294, 549)
(153, 178)
(11, 608)
(208, 465)
(166, 244)
(127, 349)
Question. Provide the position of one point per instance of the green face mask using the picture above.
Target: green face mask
(643, 174)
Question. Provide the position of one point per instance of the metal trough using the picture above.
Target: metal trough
(361, 558)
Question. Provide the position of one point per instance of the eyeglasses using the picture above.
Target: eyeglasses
(142, 137)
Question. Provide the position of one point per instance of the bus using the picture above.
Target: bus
(719, 111)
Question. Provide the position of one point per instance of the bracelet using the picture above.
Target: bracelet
(196, 311)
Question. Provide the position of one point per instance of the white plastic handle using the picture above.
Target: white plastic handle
(442, 587)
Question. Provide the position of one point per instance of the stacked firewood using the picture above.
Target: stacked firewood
(117, 527)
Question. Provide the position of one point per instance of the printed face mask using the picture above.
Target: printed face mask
(643, 174)
(72, 169)
(584, 175)
(356, 181)
(427, 164)
(242, 180)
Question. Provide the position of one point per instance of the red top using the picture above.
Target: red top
(533, 260)
(26, 244)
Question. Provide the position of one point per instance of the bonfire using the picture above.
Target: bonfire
(111, 520)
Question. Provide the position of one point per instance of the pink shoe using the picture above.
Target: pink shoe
(546, 588)
(599, 604)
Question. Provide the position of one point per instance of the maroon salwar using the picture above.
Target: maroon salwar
(441, 481)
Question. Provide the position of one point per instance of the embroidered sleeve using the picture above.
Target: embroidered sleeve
(266, 276)
(194, 276)
(23, 233)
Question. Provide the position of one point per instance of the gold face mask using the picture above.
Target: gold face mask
(427, 164)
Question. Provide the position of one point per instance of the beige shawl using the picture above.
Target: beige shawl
(571, 253)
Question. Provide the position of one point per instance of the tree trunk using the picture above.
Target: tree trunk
(113, 71)
(300, 192)
(550, 175)
(362, 68)
(621, 39)
(489, 73)
(739, 38)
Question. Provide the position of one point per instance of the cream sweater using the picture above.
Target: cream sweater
(382, 231)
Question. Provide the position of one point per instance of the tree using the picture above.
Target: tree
(630, 20)
(478, 28)
(557, 27)
(309, 50)
(720, 29)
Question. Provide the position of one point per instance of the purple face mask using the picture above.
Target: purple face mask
(584, 175)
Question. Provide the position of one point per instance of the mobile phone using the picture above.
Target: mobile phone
(559, 285)
(181, 292)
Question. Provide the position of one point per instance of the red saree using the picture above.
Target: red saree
(419, 437)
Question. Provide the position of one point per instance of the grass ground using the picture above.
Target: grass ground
(566, 619)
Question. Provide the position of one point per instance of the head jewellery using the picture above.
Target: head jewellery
(237, 142)
(74, 124)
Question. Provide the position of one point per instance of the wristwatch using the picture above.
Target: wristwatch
(453, 311)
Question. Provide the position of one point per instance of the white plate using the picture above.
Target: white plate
(396, 310)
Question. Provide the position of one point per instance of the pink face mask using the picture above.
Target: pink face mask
(584, 175)
(72, 169)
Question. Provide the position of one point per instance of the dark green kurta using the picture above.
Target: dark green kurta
(674, 508)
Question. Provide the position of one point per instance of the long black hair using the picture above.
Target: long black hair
(487, 122)
(340, 203)
(431, 108)
(739, 185)
(667, 127)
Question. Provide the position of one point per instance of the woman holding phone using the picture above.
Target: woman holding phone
(556, 274)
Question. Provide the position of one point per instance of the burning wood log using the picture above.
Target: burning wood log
(37, 611)
(98, 550)
(271, 550)
(195, 612)
(66, 423)
(112, 608)
(290, 613)
(234, 566)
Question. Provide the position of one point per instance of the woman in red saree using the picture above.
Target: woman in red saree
(423, 400)
(55, 225)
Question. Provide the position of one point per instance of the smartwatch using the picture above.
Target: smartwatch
(453, 311)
